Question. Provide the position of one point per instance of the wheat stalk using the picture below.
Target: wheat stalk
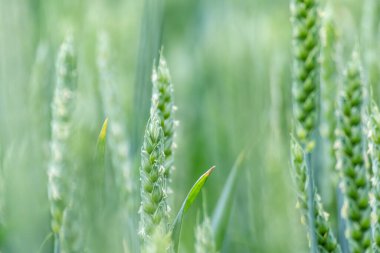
(2, 202)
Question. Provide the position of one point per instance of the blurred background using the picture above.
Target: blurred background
(230, 63)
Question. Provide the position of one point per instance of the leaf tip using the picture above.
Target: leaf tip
(103, 132)
(208, 173)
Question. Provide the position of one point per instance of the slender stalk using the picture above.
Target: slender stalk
(2, 203)
(311, 206)
(56, 243)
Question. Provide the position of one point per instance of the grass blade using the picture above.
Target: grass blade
(191, 196)
(223, 208)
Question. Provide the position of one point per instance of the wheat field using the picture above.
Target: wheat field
(164, 126)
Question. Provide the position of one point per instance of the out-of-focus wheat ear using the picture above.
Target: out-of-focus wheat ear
(374, 151)
(351, 150)
(162, 97)
(306, 50)
(72, 237)
(59, 169)
(153, 209)
(204, 237)
(329, 85)
(325, 239)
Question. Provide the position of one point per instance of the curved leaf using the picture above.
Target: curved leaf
(191, 196)
(223, 208)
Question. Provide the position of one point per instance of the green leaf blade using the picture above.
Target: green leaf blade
(223, 208)
(190, 198)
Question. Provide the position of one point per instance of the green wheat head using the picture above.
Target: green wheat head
(326, 241)
(163, 98)
(160, 242)
(351, 161)
(153, 209)
(306, 49)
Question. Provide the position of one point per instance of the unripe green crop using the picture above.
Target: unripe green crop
(325, 239)
(153, 210)
(351, 160)
(306, 48)
(163, 98)
(160, 242)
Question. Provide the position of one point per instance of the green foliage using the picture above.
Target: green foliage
(224, 205)
(231, 65)
(191, 196)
